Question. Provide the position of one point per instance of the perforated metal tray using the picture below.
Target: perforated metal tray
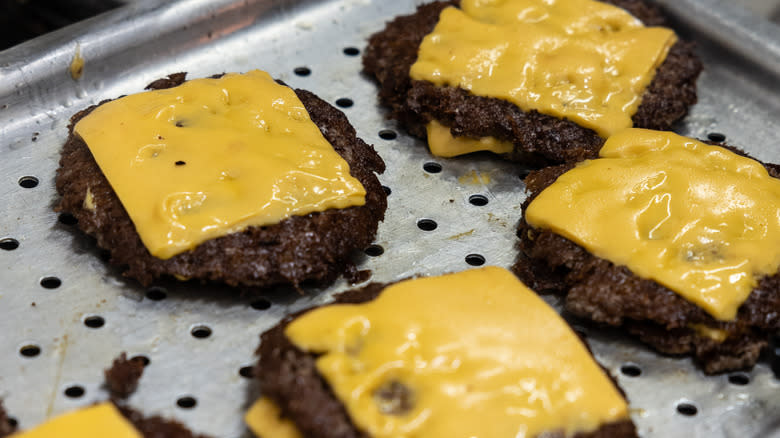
(54, 284)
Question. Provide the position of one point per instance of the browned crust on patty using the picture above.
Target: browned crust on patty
(313, 248)
(539, 139)
(602, 292)
(123, 376)
(6, 426)
(122, 380)
(156, 426)
(289, 377)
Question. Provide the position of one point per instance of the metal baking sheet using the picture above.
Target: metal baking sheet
(127, 48)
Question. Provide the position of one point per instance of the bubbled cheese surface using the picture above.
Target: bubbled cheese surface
(213, 156)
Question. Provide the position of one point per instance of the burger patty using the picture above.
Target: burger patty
(311, 248)
(538, 139)
(601, 291)
(289, 377)
(122, 380)
(150, 427)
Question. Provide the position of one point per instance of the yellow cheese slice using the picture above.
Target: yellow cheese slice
(97, 421)
(213, 156)
(583, 60)
(472, 354)
(717, 335)
(698, 219)
(265, 421)
(443, 144)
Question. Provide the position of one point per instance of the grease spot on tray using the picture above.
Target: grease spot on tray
(462, 235)
(77, 64)
(474, 177)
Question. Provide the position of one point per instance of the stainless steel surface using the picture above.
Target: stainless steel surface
(128, 48)
(733, 27)
(769, 9)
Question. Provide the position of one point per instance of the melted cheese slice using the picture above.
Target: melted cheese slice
(698, 219)
(265, 420)
(443, 144)
(214, 156)
(98, 421)
(473, 354)
(582, 60)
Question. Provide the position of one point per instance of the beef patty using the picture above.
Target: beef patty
(289, 377)
(122, 379)
(601, 291)
(311, 248)
(538, 139)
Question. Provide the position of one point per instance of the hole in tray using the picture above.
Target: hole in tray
(94, 321)
(432, 167)
(74, 391)
(374, 250)
(180, 163)
(51, 282)
(427, 224)
(28, 182)
(9, 244)
(387, 190)
(478, 200)
(30, 350)
(187, 402)
(201, 332)
(687, 409)
(145, 361)
(260, 304)
(302, 71)
(344, 102)
(351, 51)
(246, 372)
(716, 136)
(156, 293)
(475, 259)
(740, 379)
(387, 134)
(67, 219)
(630, 370)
